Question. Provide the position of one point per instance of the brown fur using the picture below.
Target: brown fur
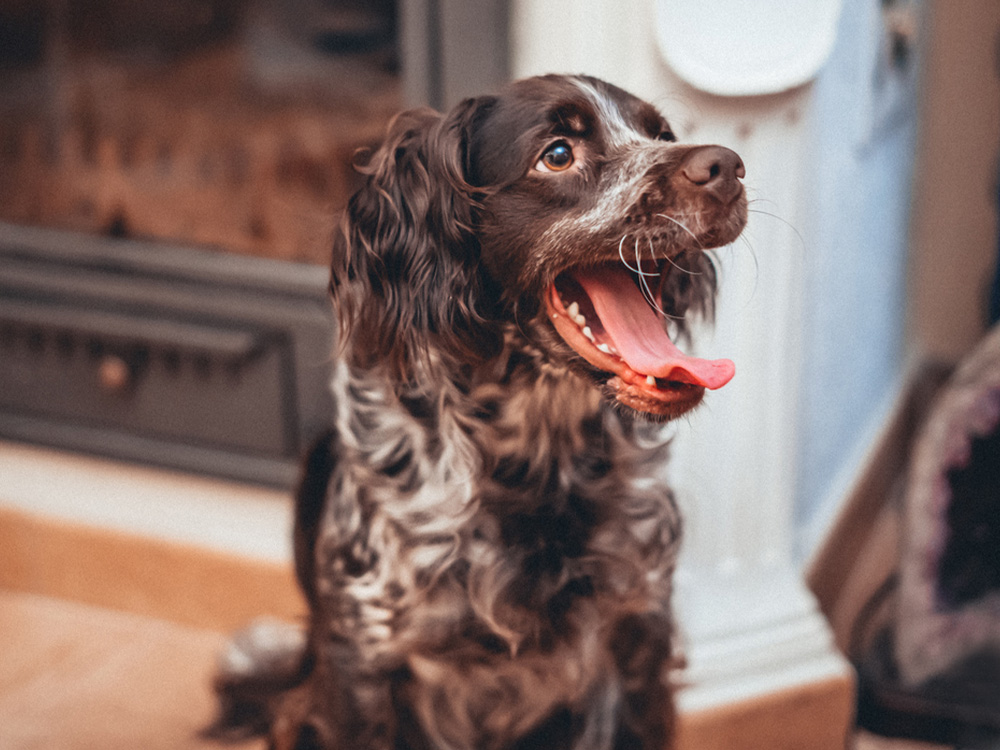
(483, 539)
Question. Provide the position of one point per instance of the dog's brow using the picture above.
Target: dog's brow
(569, 121)
(576, 124)
(617, 130)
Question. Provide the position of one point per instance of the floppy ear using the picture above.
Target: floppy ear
(405, 277)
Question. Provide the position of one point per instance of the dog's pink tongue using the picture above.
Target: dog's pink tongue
(638, 333)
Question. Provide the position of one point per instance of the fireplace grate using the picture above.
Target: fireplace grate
(195, 360)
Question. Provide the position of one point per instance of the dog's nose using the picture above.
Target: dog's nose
(716, 169)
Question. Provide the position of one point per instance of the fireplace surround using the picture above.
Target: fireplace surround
(170, 178)
(169, 181)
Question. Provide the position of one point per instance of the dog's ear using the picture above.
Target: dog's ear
(405, 278)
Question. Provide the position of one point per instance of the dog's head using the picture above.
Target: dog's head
(563, 204)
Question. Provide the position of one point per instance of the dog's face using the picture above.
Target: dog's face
(582, 213)
(595, 211)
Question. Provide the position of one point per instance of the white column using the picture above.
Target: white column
(750, 626)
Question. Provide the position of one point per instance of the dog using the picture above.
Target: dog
(483, 539)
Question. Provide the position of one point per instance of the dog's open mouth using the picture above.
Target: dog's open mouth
(603, 314)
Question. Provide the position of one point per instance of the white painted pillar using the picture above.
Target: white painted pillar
(749, 624)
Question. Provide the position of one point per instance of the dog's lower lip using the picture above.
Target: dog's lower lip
(668, 404)
(657, 395)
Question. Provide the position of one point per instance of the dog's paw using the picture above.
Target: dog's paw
(257, 665)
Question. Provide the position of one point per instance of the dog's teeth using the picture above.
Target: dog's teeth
(580, 320)
(588, 333)
(650, 380)
(604, 348)
(573, 310)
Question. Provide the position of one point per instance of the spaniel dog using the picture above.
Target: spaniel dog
(483, 539)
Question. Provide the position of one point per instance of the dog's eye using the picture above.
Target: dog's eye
(666, 135)
(557, 158)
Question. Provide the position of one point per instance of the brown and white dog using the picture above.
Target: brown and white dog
(483, 540)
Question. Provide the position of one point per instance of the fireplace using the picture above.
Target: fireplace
(170, 176)
(200, 122)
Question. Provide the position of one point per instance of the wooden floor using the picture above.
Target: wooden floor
(77, 677)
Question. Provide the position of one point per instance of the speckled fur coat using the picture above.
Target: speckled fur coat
(484, 538)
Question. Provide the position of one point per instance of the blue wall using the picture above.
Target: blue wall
(863, 120)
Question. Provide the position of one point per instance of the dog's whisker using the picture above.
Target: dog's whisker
(656, 303)
(647, 291)
(642, 275)
(643, 284)
(744, 240)
(621, 254)
(683, 226)
(681, 268)
(780, 219)
(751, 201)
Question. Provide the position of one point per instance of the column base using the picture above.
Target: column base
(762, 668)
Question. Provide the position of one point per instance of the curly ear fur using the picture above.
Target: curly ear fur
(405, 276)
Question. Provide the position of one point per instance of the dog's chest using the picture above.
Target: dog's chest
(509, 625)
(494, 553)
(489, 559)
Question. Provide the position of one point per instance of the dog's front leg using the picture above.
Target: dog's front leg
(345, 703)
(341, 706)
(641, 646)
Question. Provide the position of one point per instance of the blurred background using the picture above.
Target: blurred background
(170, 174)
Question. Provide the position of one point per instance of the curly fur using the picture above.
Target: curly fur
(483, 539)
